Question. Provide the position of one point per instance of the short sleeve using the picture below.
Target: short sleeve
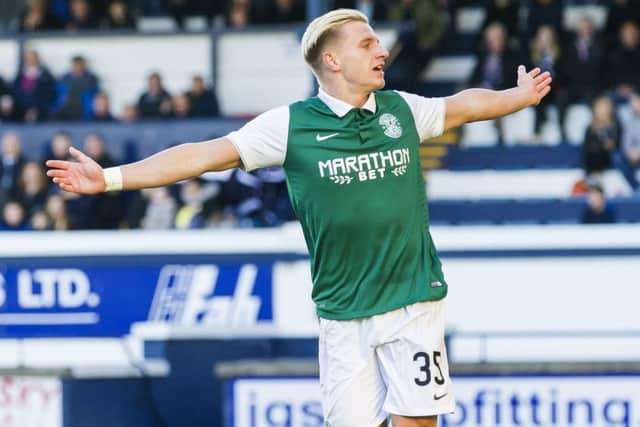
(263, 141)
(428, 114)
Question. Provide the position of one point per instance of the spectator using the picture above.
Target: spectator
(181, 107)
(33, 188)
(119, 17)
(543, 13)
(8, 112)
(496, 65)
(76, 90)
(602, 138)
(239, 14)
(37, 17)
(58, 148)
(545, 53)
(504, 12)
(156, 101)
(627, 159)
(13, 217)
(81, 16)
(204, 102)
(40, 221)
(375, 10)
(618, 12)
(57, 211)
(624, 62)
(33, 88)
(100, 111)
(275, 198)
(106, 209)
(129, 114)
(159, 210)
(285, 11)
(193, 196)
(415, 47)
(597, 210)
(579, 68)
(11, 165)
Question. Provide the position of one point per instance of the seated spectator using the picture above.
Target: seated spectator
(8, 112)
(156, 101)
(375, 10)
(239, 14)
(76, 90)
(204, 102)
(129, 114)
(11, 163)
(618, 12)
(37, 17)
(180, 107)
(193, 194)
(415, 47)
(33, 88)
(56, 210)
(100, 111)
(543, 12)
(597, 210)
(13, 217)
(40, 221)
(627, 159)
(624, 62)
(81, 16)
(602, 138)
(58, 148)
(159, 209)
(106, 209)
(33, 188)
(118, 17)
(496, 65)
(545, 53)
(579, 68)
(285, 11)
(504, 12)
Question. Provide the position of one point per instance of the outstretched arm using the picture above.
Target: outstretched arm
(175, 164)
(472, 105)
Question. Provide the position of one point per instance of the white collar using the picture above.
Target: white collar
(341, 108)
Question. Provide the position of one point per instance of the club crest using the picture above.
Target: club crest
(390, 125)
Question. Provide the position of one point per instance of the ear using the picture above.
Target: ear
(330, 61)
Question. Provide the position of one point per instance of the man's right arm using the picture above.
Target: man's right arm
(172, 165)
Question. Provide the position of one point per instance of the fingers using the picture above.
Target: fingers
(521, 69)
(57, 173)
(545, 91)
(543, 84)
(77, 154)
(533, 73)
(541, 77)
(58, 164)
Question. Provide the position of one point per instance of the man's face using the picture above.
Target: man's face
(359, 55)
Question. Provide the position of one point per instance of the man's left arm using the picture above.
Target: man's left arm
(472, 105)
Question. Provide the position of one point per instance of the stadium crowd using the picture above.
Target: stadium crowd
(600, 68)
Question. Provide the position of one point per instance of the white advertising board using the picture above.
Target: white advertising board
(489, 401)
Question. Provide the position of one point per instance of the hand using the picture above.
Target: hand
(84, 176)
(537, 85)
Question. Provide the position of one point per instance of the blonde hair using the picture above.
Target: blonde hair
(324, 28)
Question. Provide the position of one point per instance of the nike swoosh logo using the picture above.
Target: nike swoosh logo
(436, 397)
(322, 138)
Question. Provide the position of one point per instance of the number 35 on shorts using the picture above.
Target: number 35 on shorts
(428, 368)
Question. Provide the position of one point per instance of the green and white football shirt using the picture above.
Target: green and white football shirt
(356, 185)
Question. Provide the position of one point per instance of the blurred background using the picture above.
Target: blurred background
(190, 305)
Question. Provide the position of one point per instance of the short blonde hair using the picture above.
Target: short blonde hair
(324, 28)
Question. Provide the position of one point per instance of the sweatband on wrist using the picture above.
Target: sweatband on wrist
(112, 179)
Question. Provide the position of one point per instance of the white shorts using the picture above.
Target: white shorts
(389, 364)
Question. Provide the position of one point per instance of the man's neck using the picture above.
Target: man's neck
(357, 99)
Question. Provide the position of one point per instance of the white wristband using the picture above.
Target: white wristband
(112, 179)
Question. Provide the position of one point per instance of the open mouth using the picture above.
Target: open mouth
(379, 67)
